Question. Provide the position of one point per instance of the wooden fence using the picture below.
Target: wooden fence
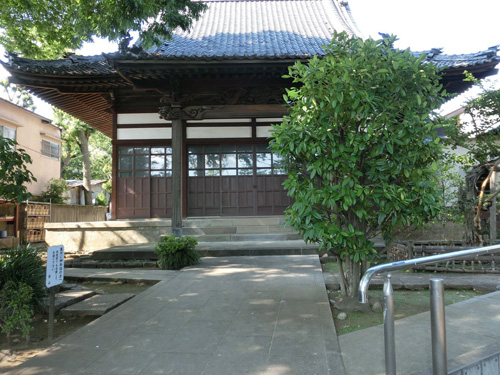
(65, 213)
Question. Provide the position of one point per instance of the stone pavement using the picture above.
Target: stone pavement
(238, 315)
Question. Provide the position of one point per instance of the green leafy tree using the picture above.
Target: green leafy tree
(17, 95)
(47, 28)
(477, 130)
(360, 147)
(54, 191)
(100, 149)
(100, 156)
(76, 134)
(14, 174)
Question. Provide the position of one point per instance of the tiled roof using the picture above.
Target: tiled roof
(271, 30)
(73, 65)
(267, 29)
(460, 61)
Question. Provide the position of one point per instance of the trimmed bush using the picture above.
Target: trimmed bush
(15, 309)
(24, 265)
(177, 252)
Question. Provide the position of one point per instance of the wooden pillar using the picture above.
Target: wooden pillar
(493, 208)
(114, 169)
(177, 173)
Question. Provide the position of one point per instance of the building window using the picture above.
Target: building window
(144, 161)
(7, 132)
(50, 149)
(238, 160)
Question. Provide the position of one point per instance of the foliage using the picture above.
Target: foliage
(14, 175)
(86, 152)
(360, 147)
(108, 186)
(54, 191)
(177, 252)
(450, 185)
(24, 265)
(72, 156)
(99, 149)
(47, 28)
(476, 131)
(17, 95)
(100, 199)
(15, 309)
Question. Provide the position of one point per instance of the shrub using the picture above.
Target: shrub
(100, 199)
(177, 252)
(24, 265)
(54, 191)
(15, 309)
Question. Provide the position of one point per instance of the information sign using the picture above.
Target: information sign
(55, 266)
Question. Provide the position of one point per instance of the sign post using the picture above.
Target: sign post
(53, 277)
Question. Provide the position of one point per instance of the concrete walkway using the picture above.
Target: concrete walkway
(237, 315)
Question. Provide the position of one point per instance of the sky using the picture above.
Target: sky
(457, 26)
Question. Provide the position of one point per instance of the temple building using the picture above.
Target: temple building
(190, 119)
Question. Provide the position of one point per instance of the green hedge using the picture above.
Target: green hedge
(177, 252)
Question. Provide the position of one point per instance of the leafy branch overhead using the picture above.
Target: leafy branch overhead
(360, 146)
(17, 95)
(47, 28)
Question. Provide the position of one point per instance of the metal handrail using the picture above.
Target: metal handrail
(406, 264)
(438, 329)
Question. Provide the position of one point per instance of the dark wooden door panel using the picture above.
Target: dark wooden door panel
(133, 197)
(161, 197)
(234, 180)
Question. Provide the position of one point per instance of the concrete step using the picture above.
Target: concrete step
(69, 297)
(244, 237)
(97, 305)
(233, 221)
(231, 226)
(145, 252)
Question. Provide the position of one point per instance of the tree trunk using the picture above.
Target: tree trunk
(83, 138)
(468, 203)
(477, 217)
(351, 277)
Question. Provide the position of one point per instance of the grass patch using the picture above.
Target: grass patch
(406, 303)
(331, 267)
(111, 287)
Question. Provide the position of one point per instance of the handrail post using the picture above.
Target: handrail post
(438, 328)
(389, 342)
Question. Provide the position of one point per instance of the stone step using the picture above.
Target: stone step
(69, 297)
(97, 305)
(240, 230)
(233, 221)
(145, 252)
(244, 237)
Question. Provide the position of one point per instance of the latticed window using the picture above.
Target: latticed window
(144, 161)
(7, 132)
(50, 149)
(240, 160)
